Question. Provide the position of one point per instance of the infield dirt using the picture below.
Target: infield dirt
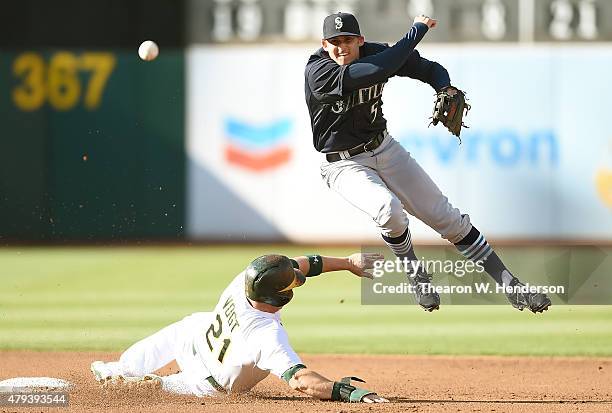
(412, 384)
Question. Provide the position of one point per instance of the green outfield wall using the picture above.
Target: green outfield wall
(91, 137)
(91, 144)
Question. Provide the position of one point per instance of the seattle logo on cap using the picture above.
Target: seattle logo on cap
(338, 22)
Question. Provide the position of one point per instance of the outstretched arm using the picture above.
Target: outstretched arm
(433, 73)
(329, 81)
(381, 66)
(357, 263)
(313, 384)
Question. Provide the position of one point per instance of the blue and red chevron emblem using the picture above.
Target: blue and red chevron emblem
(257, 147)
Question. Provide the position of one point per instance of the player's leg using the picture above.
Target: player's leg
(145, 356)
(187, 384)
(193, 377)
(357, 182)
(423, 199)
(420, 196)
(475, 247)
(417, 274)
(153, 352)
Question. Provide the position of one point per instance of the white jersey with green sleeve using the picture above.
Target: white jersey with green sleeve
(242, 345)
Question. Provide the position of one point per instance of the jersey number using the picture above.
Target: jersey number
(216, 333)
(374, 109)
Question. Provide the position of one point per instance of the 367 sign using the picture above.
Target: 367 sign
(58, 79)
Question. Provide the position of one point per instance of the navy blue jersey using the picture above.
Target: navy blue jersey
(345, 101)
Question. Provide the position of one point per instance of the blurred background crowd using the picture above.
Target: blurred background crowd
(211, 141)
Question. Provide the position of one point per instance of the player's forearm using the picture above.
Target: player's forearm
(329, 264)
(315, 385)
(379, 67)
(312, 384)
(335, 264)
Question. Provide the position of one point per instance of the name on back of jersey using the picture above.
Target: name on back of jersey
(229, 309)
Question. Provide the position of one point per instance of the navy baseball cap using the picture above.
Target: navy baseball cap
(340, 24)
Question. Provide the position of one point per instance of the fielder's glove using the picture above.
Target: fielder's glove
(449, 109)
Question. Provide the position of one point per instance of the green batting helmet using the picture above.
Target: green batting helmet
(270, 278)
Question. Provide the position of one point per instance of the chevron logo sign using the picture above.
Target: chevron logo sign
(257, 148)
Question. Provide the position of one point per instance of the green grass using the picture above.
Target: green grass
(106, 298)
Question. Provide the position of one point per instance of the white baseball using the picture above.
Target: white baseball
(148, 50)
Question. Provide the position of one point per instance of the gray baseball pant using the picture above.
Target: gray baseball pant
(387, 184)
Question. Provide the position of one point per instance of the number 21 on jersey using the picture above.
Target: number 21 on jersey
(218, 334)
(214, 332)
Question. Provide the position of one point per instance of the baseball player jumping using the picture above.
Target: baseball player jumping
(238, 344)
(367, 167)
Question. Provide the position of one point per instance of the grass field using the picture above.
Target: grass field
(106, 298)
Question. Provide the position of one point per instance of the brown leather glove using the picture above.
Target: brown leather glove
(450, 108)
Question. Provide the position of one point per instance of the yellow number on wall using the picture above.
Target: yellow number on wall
(101, 64)
(64, 87)
(60, 82)
(31, 93)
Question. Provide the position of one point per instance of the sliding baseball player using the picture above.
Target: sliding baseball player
(237, 345)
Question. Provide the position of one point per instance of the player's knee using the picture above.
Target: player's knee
(392, 218)
(456, 228)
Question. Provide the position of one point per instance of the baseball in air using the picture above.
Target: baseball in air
(148, 50)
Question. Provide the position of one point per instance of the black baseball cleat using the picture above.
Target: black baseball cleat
(429, 300)
(535, 302)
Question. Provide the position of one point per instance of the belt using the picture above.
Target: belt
(211, 380)
(364, 147)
